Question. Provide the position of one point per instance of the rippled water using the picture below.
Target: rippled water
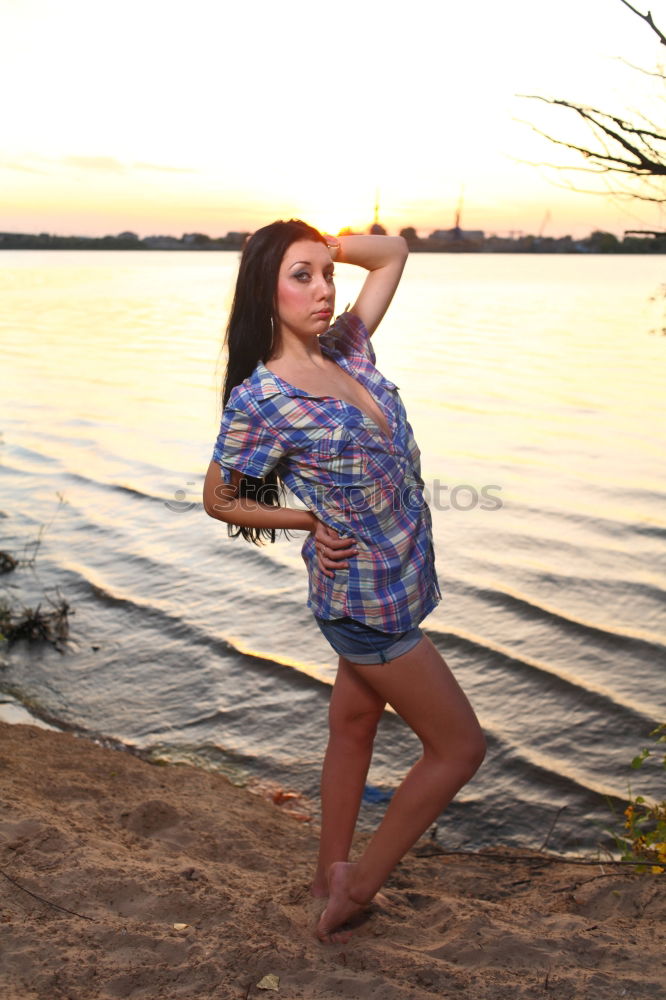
(534, 379)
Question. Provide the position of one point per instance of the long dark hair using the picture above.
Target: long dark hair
(250, 339)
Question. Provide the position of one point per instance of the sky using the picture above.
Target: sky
(209, 116)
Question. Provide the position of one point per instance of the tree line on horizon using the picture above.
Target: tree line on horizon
(441, 241)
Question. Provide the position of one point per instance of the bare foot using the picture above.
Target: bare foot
(319, 890)
(341, 905)
(380, 900)
(319, 884)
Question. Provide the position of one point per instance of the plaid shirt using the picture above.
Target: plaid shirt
(338, 462)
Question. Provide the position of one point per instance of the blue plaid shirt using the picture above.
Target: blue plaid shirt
(339, 463)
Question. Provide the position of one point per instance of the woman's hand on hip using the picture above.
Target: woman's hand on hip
(332, 550)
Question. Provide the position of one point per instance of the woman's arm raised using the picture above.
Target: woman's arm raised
(384, 257)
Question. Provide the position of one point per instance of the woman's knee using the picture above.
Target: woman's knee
(357, 728)
(471, 753)
(475, 751)
(465, 754)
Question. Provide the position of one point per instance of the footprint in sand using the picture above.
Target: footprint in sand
(150, 818)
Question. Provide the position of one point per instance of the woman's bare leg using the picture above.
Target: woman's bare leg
(422, 689)
(354, 711)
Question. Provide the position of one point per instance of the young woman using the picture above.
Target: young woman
(304, 405)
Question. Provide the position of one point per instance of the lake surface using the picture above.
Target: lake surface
(533, 379)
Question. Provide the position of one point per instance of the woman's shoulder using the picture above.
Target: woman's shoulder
(348, 335)
(261, 400)
(259, 384)
(240, 396)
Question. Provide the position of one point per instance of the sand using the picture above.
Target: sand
(135, 849)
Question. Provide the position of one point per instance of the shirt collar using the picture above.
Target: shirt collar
(360, 367)
(265, 383)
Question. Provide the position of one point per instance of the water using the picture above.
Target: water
(534, 380)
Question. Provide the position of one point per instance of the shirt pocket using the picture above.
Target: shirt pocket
(334, 458)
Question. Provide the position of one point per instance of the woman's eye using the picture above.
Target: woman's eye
(304, 276)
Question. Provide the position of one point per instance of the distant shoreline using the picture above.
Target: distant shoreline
(596, 243)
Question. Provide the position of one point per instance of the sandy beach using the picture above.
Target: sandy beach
(181, 885)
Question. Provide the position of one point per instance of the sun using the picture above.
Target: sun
(337, 211)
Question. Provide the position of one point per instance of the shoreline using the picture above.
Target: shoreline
(179, 884)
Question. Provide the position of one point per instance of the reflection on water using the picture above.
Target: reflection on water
(534, 376)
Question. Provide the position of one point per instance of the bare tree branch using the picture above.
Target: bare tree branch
(600, 171)
(633, 148)
(648, 20)
(56, 906)
(659, 74)
(559, 166)
(653, 125)
(644, 163)
(567, 185)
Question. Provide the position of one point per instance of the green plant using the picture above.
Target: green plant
(29, 559)
(643, 836)
(35, 623)
(5, 618)
(27, 622)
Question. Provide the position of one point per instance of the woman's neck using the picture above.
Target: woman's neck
(295, 351)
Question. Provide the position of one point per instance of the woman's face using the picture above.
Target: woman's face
(305, 289)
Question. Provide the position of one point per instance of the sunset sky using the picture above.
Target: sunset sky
(210, 116)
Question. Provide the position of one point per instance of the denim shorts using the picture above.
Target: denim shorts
(361, 643)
